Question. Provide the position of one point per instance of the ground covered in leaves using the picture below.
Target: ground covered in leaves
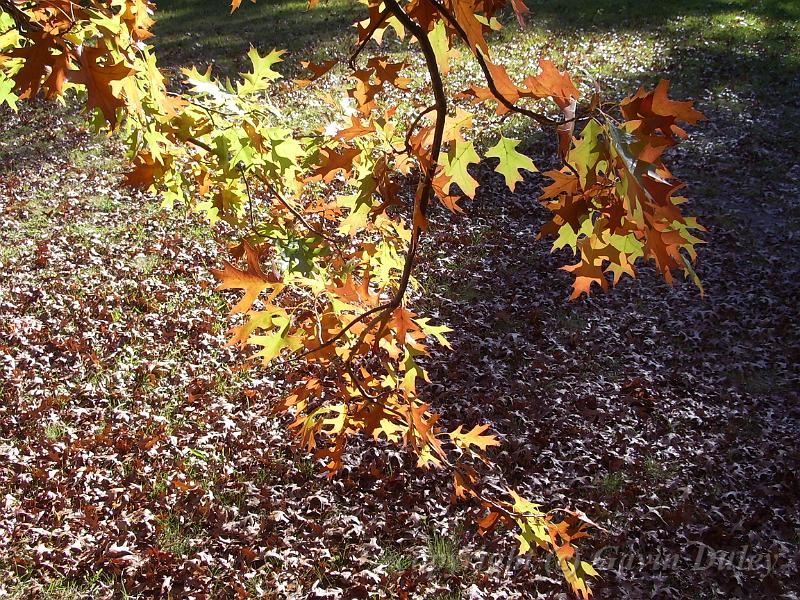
(139, 459)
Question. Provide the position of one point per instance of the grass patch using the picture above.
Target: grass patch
(612, 483)
(9, 253)
(93, 159)
(147, 263)
(396, 560)
(103, 203)
(443, 552)
(655, 470)
(204, 31)
(176, 536)
(55, 431)
(450, 595)
(757, 383)
(61, 588)
(37, 224)
(307, 468)
(609, 33)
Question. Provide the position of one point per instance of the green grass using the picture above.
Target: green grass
(723, 52)
(176, 536)
(612, 483)
(257, 586)
(103, 203)
(55, 431)
(307, 468)
(92, 160)
(160, 485)
(757, 383)
(146, 263)
(451, 595)
(737, 40)
(655, 470)
(396, 560)
(443, 552)
(61, 588)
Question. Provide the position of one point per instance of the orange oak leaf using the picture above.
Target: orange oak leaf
(356, 129)
(586, 274)
(520, 10)
(464, 480)
(333, 161)
(98, 78)
(45, 58)
(562, 183)
(137, 16)
(474, 437)
(551, 83)
(466, 13)
(487, 522)
(235, 4)
(253, 280)
(317, 70)
(656, 112)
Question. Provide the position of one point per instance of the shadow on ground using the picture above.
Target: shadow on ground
(190, 31)
(663, 414)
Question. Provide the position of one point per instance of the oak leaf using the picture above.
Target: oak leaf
(511, 161)
(98, 79)
(461, 155)
(333, 162)
(474, 437)
(253, 280)
(317, 70)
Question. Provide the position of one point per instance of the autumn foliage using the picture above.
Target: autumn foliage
(331, 216)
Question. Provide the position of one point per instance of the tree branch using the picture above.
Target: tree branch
(292, 209)
(422, 200)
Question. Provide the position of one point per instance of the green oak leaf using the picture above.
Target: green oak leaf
(262, 73)
(511, 161)
(441, 46)
(587, 152)
(436, 331)
(7, 94)
(460, 156)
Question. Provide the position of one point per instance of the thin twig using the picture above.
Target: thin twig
(538, 117)
(368, 36)
(344, 330)
(440, 103)
(240, 166)
(383, 318)
(372, 399)
(292, 209)
(413, 126)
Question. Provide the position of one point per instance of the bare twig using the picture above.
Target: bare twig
(298, 215)
(413, 126)
(249, 196)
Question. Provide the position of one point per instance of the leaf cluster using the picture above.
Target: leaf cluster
(330, 216)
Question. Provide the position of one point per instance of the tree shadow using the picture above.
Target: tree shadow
(191, 31)
(649, 396)
(631, 14)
